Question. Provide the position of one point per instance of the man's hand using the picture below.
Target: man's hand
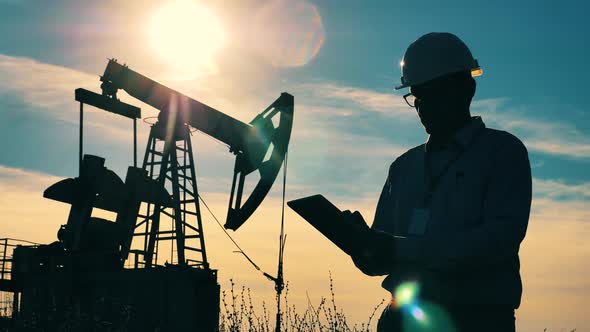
(355, 219)
(377, 256)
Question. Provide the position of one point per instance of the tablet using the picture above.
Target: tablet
(328, 219)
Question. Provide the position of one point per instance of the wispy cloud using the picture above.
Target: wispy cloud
(332, 121)
(553, 268)
(357, 129)
(49, 90)
(549, 136)
(25, 213)
(12, 178)
(560, 190)
(365, 99)
(43, 85)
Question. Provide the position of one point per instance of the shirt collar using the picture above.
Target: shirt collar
(463, 137)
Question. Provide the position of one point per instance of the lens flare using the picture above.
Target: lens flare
(288, 33)
(406, 293)
(418, 313)
(427, 316)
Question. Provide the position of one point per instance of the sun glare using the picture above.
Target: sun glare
(187, 35)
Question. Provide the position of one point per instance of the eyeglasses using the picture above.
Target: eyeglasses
(411, 100)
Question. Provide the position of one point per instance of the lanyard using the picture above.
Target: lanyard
(433, 181)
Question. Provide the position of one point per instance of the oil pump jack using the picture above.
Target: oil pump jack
(103, 268)
(170, 137)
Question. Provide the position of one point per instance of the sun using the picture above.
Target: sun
(186, 34)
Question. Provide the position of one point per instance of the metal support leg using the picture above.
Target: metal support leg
(15, 305)
(134, 142)
(81, 138)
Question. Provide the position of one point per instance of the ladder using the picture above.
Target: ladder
(169, 159)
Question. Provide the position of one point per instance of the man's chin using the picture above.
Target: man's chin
(429, 129)
(435, 131)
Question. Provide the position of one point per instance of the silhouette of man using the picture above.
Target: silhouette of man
(453, 211)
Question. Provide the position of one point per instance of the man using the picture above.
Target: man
(453, 211)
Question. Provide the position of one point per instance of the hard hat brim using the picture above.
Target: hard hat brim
(475, 72)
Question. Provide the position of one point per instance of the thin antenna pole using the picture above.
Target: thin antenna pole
(279, 281)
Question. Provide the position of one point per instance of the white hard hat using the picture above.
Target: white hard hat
(433, 55)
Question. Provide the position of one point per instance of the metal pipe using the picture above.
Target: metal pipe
(134, 142)
(4, 257)
(81, 138)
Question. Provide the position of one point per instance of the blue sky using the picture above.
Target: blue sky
(349, 123)
(532, 53)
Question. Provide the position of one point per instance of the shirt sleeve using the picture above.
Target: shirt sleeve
(383, 220)
(376, 261)
(506, 210)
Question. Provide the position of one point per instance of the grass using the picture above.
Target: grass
(238, 314)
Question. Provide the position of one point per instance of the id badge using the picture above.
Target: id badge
(419, 222)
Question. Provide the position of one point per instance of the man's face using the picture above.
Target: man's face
(440, 104)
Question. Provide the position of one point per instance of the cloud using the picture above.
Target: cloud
(563, 148)
(27, 215)
(35, 91)
(365, 99)
(13, 178)
(558, 189)
(355, 128)
(344, 137)
(552, 257)
(548, 136)
(41, 84)
(553, 265)
(49, 89)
